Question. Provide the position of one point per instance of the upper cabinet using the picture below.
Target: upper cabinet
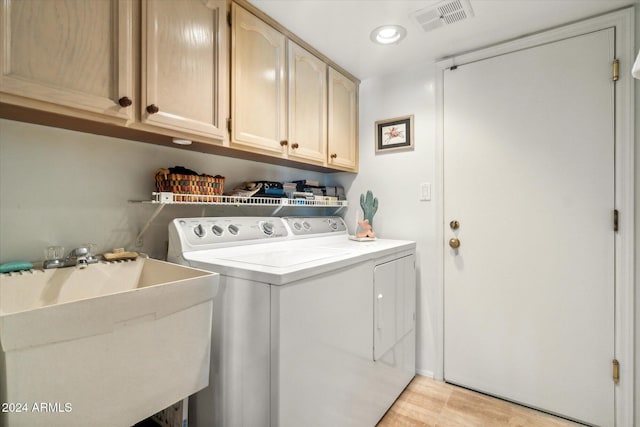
(176, 68)
(286, 101)
(307, 106)
(258, 85)
(184, 66)
(343, 122)
(73, 54)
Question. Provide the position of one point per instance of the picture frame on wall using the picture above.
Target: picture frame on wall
(394, 134)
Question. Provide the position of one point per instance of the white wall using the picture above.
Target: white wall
(394, 179)
(60, 187)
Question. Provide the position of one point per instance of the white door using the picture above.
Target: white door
(529, 176)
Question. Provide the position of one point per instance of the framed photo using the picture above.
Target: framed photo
(394, 134)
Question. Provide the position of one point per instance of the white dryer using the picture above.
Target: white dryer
(309, 328)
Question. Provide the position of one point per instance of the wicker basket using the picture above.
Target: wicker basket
(200, 185)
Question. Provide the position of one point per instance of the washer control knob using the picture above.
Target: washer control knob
(297, 226)
(306, 225)
(217, 230)
(332, 224)
(233, 229)
(199, 231)
(267, 228)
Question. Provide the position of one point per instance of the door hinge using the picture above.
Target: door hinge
(229, 18)
(616, 371)
(616, 70)
(453, 67)
(616, 214)
(229, 125)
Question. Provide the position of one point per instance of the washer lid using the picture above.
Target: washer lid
(282, 262)
(284, 258)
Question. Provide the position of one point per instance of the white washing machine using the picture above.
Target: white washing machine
(309, 329)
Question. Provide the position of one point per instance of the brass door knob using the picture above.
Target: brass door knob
(454, 224)
(295, 145)
(454, 243)
(284, 143)
(152, 109)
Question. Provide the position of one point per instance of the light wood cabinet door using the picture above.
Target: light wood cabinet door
(258, 85)
(343, 122)
(184, 50)
(307, 106)
(63, 54)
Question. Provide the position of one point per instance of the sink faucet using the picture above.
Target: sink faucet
(80, 257)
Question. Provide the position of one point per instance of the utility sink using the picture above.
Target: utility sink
(107, 345)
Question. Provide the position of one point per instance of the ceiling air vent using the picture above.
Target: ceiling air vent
(443, 13)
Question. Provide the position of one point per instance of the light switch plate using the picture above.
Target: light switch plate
(425, 191)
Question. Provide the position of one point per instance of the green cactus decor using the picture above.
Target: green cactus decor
(369, 206)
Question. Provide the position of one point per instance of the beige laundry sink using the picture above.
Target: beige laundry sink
(107, 345)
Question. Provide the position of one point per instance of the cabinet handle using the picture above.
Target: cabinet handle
(333, 156)
(294, 145)
(125, 101)
(379, 301)
(152, 109)
(284, 143)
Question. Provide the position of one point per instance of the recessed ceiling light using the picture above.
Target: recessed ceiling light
(388, 34)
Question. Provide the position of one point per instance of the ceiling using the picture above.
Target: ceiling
(340, 29)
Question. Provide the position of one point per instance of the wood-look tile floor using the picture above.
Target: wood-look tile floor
(426, 402)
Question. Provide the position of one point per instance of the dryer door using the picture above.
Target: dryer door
(394, 303)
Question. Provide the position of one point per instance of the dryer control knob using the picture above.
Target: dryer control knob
(199, 231)
(217, 230)
(267, 228)
(233, 229)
